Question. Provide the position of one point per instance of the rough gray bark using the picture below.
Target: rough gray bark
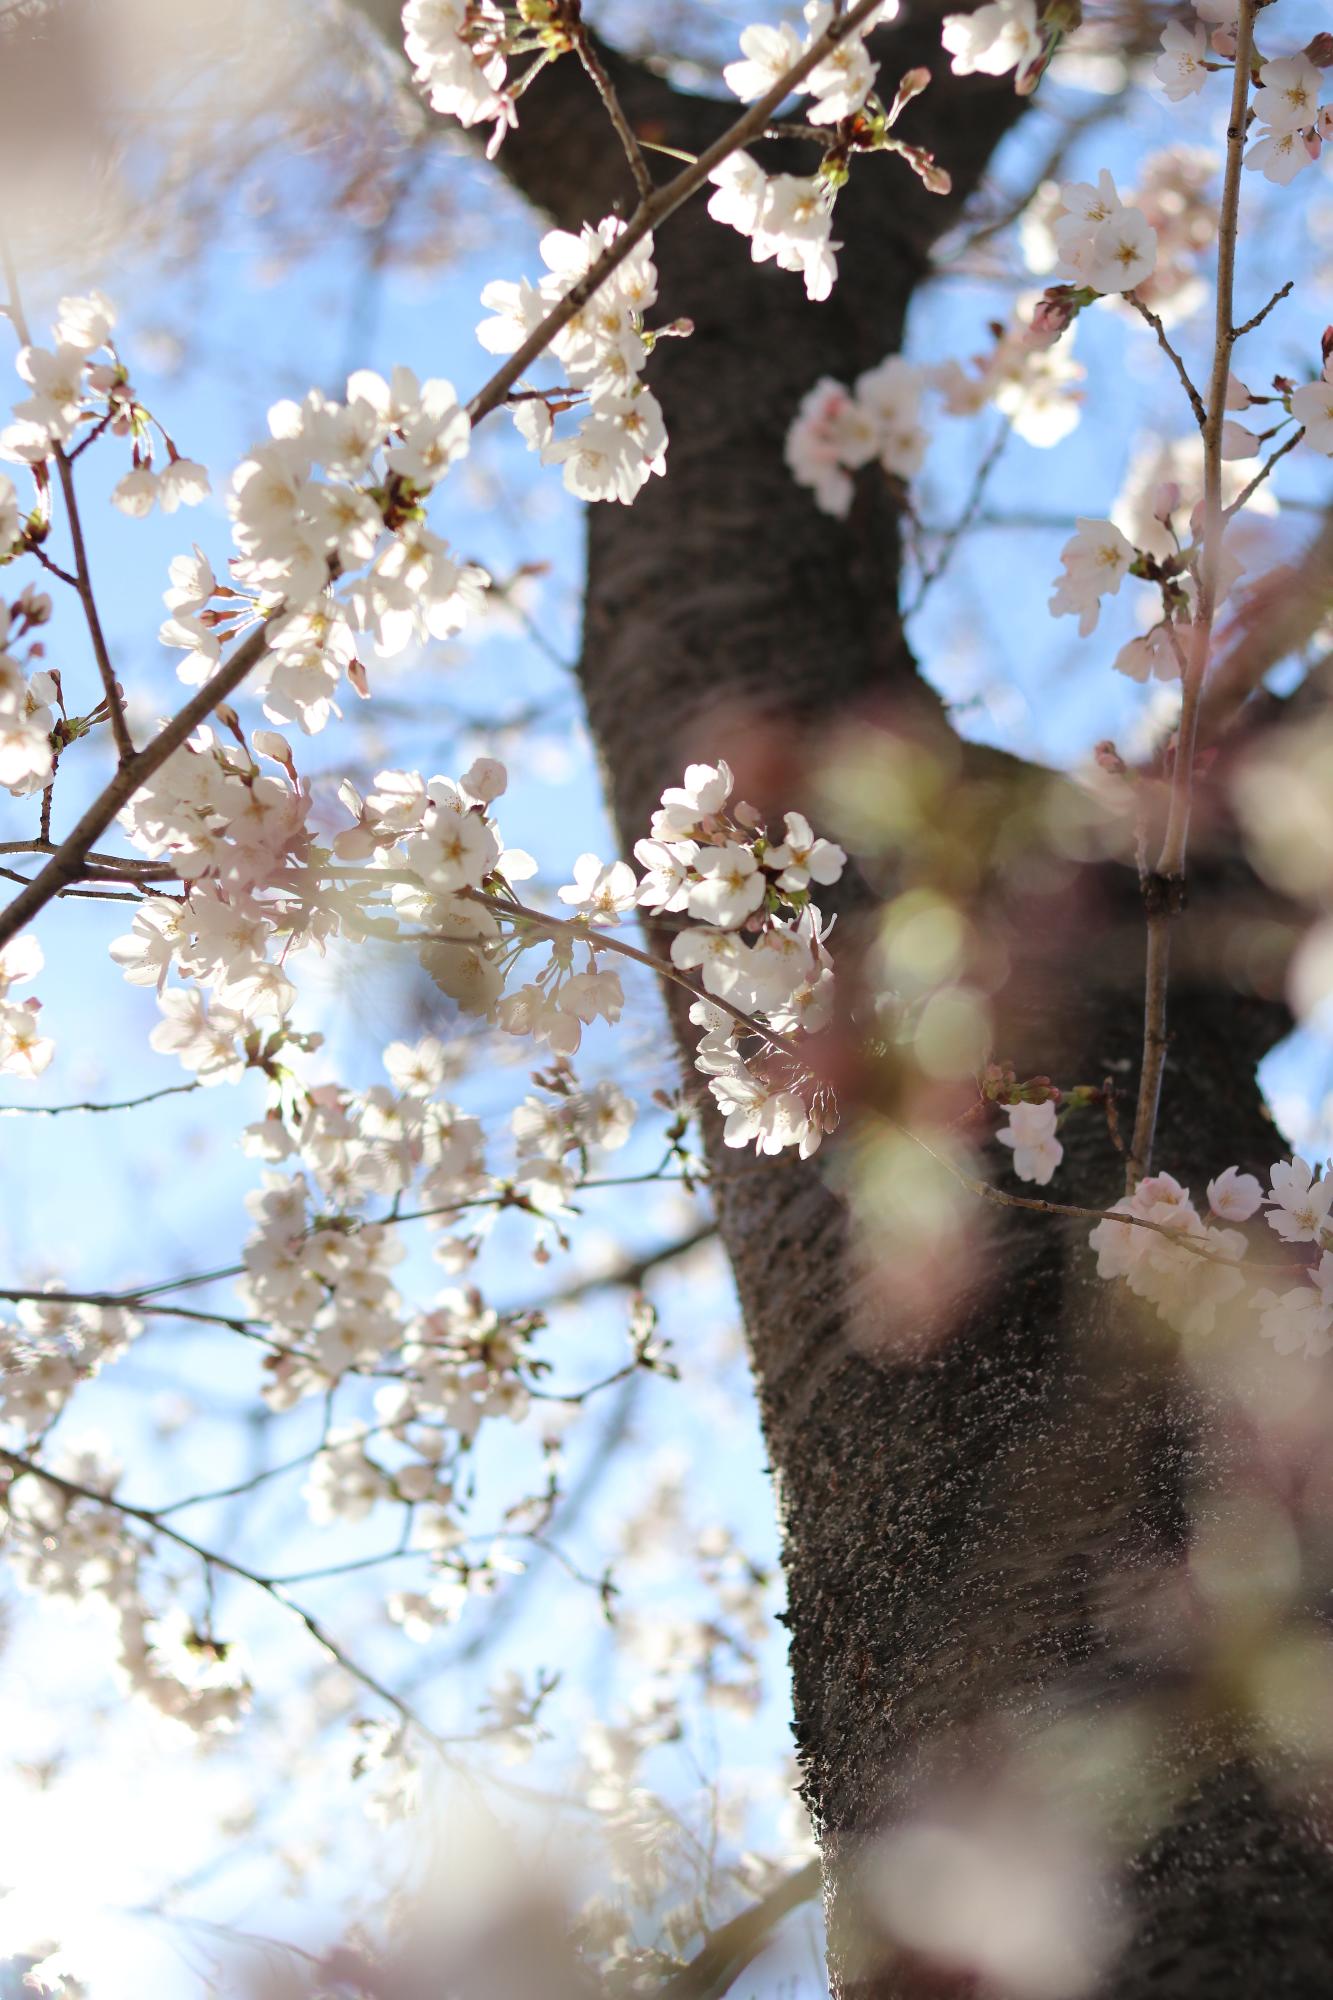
(966, 1524)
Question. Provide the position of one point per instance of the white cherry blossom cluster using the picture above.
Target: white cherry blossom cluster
(1157, 511)
(756, 941)
(839, 85)
(1103, 243)
(620, 439)
(336, 557)
(457, 51)
(1001, 36)
(24, 1052)
(568, 1121)
(63, 1544)
(323, 1285)
(1292, 124)
(788, 217)
(836, 431)
(1187, 1265)
(238, 837)
(1029, 375)
(1155, 535)
(53, 1344)
(452, 846)
(1177, 197)
(80, 383)
(1185, 1286)
(29, 694)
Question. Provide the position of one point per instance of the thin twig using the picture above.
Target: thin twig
(120, 1104)
(213, 1558)
(1001, 1198)
(1165, 886)
(1247, 493)
(615, 110)
(82, 579)
(67, 862)
(1263, 312)
(971, 508)
(1154, 321)
(630, 1273)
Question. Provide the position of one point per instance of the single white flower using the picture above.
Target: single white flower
(1030, 1134)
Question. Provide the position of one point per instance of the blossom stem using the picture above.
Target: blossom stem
(615, 110)
(1164, 888)
(598, 939)
(66, 864)
(1001, 1198)
(1247, 493)
(1154, 320)
(82, 579)
(120, 1104)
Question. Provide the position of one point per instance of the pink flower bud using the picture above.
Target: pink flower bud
(1326, 345)
(1165, 499)
(1314, 145)
(911, 86)
(1224, 42)
(1051, 315)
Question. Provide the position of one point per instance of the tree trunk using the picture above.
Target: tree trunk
(977, 1509)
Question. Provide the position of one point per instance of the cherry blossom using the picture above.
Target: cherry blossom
(768, 54)
(1235, 1196)
(456, 49)
(1312, 407)
(1181, 69)
(1096, 561)
(1030, 1134)
(1186, 1286)
(24, 1052)
(601, 891)
(730, 885)
(1298, 1204)
(1287, 98)
(1279, 155)
(786, 217)
(994, 39)
(803, 857)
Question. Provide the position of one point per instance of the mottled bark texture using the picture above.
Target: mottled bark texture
(968, 1520)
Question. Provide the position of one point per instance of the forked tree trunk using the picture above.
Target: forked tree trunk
(970, 1517)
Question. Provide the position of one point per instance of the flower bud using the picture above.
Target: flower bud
(1165, 499)
(911, 86)
(1053, 313)
(268, 743)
